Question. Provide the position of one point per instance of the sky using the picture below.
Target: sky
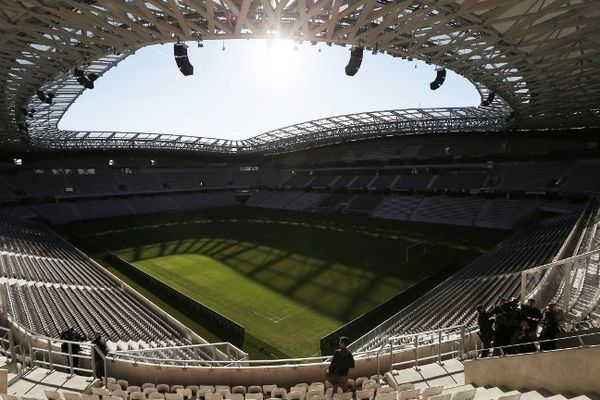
(251, 87)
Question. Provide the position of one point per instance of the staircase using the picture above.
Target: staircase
(450, 374)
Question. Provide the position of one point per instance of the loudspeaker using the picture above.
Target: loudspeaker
(181, 58)
(87, 81)
(439, 79)
(489, 100)
(45, 97)
(356, 56)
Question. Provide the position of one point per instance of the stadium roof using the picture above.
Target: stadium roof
(539, 57)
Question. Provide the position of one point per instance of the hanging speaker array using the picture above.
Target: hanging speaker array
(356, 56)
(439, 79)
(85, 80)
(182, 60)
(489, 100)
(45, 97)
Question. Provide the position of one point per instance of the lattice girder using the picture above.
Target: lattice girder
(540, 57)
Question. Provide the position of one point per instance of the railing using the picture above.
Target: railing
(442, 343)
(562, 342)
(221, 353)
(548, 282)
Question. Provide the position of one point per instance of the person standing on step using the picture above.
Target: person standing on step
(340, 366)
(100, 351)
(486, 330)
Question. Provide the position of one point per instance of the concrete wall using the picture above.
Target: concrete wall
(571, 370)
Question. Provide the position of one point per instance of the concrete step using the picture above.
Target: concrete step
(532, 395)
(35, 381)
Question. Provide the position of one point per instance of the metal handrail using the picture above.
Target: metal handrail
(536, 343)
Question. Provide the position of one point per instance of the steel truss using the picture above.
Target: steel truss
(540, 58)
(296, 137)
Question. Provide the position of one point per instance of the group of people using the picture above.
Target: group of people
(510, 327)
(99, 347)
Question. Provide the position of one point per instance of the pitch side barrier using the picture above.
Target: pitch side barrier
(218, 324)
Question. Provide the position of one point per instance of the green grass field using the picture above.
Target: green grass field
(288, 278)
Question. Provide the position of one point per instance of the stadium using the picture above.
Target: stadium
(142, 265)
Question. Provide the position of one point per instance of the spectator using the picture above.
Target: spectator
(340, 365)
(552, 321)
(502, 327)
(71, 335)
(486, 330)
(100, 351)
(523, 339)
(532, 314)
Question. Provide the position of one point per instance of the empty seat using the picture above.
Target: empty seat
(254, 396)
(513, 396)
(441, 396)
(173, 396)
(267, 389)
(213, 396)
(72, 396)
(464, 395)
(279, 393)
(52, 395)
(156, 396)
(431, 391)
(365, 394)
(409, 394)
(405, 386)
(163, 388)
(295, 395)
(113, 386)
(203, 389)
(175, 387)
(193, 388)
(149, 390)
(148, 385)
(90, 397)
(133, 389)
(186, 393)
(137, 396)
(255, 389)
(386, 396)
(342, 396)
(119, 393)
(236, 396)
(238, 389)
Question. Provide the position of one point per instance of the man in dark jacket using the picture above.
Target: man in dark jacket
(71, 335)
(100, 350)
(531, 314)
(486, 331)
(340, 365)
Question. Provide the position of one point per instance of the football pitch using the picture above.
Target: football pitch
(288, 278)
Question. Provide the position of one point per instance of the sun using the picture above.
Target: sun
(278, 58)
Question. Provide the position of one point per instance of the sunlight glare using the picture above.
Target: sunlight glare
(277, 58)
